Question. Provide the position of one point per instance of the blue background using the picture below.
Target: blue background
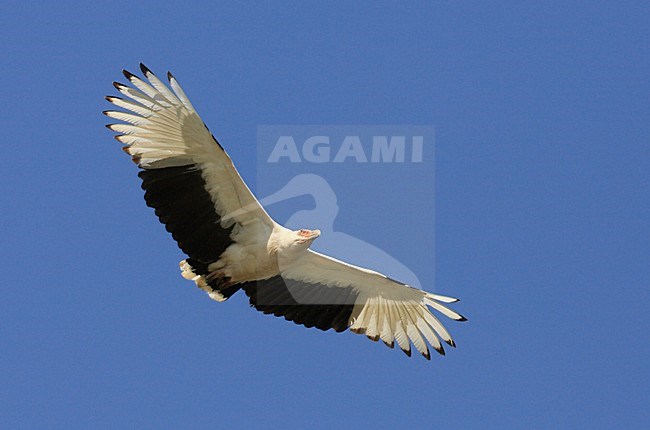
(541, 214)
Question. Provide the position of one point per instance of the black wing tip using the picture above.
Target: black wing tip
(111, 98)
(145, 69)
(119, 85)
(427, 355)
(128, 75)
(461, 319)
(451, 343)
(108, 126)
(407, 352)
(391, 345)
(170, 76)
(374, 338)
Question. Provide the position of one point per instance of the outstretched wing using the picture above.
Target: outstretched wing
(187, 176)
(320, 291)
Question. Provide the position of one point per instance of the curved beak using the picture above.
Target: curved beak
(313, 234)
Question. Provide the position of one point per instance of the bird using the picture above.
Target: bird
(231, 242)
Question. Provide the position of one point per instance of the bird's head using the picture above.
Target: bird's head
(305, 237)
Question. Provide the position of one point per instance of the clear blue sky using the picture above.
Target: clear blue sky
(541, 196)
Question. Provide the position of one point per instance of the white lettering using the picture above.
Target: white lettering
(284, 147)
(317, 149)
(387, 152)
(351, 147)
(416, 154)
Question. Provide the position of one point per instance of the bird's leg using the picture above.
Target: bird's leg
(217, 274)
(218, 280)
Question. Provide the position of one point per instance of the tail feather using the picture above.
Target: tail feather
(218, 289)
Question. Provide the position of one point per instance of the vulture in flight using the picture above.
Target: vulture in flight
(232, 243)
